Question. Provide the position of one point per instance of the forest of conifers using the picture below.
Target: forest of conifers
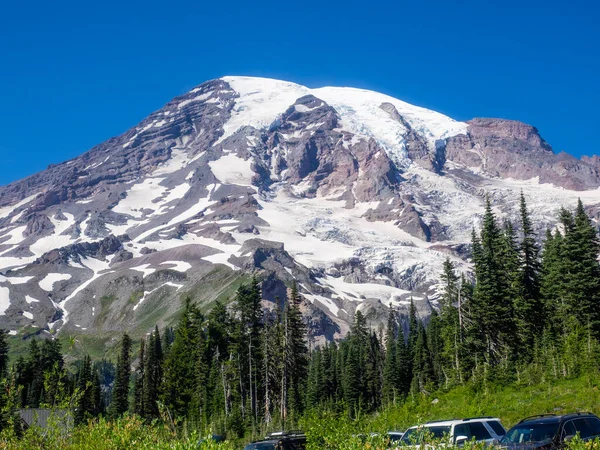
(530, 313)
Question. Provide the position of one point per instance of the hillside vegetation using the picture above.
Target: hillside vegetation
(520, 339)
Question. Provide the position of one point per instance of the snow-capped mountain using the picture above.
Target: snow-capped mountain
(358, 196)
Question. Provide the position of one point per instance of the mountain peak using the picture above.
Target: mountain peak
(356, 195)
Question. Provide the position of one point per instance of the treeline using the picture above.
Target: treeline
(530, 314)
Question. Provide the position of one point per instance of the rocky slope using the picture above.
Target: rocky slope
(356, 195)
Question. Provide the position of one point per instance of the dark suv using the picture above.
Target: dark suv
(283, 440)
(549, 431)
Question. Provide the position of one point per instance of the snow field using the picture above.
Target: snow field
(47, 283)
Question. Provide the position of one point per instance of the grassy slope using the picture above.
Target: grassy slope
(219, 284)
(510, 404)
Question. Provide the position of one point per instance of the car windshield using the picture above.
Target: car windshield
(417, 435)
(261, 446)
(530, 432)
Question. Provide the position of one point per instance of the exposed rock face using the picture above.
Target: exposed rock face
(510, 149)
(356, 196)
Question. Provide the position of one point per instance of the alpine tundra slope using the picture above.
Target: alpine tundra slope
(358, 196)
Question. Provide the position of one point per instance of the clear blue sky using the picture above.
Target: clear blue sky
(73, 74)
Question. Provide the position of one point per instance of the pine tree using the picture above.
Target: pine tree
(153, 374)
(96, 395)
(510, 271)
(298, 351)
(450, 286)
(33, 376)
(413, 327)
(586, 284)
(491, 307)
(529, 310)
(451, 333)
(272, 351)
(315, 384)
(405, 366)
(85, 402)
(552, 283)
(435, 344)
(120, 395)
(180, 381)
(4, 348)
(422, 362)
(138, 390)
(355, 360)
(391, 370)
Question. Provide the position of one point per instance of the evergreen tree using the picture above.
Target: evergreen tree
(391, 372)
(422, 363)
(405, 366)
(491, 307)
(4, 348)
(138, 390)
(180, 378)
(297, 352)
(96, 394)
(435, 332)
(529, 310)
(85, 402)
(585, 284)
(315, 384)
(153, 374)
(120, 394)
(413, 326)
(448, 355)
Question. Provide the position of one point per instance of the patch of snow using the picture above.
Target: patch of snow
(56, 239)
(16, 237)
(28, 315)
(19, 280)
(200, 205)
(357, 291)
(47, 283)
(178, 160)
(220, 258)
(141, 196)
(144, 268)
(98, 268)
(231, 169)
(180, 266)
(148, 293)
(12, 333)
(260, 103)
(6, 210)
(4, 299)
(324, 301)
(31, 300)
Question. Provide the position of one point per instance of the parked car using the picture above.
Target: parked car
(214, 438)
(282, 440)
(457, 432)
(551, 431)
(395, 436)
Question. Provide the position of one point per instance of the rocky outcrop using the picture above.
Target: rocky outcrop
(510, 149)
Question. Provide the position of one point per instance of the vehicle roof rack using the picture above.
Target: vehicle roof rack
(480, 417)
(286, 433)
(438, 421)
(537, 416)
